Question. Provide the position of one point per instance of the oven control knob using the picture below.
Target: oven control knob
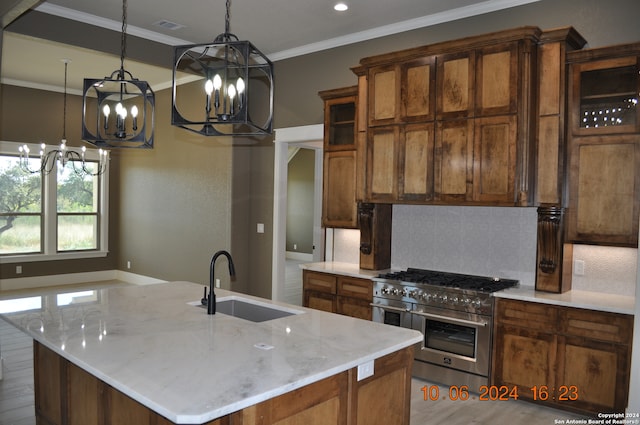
(476, 303)
(426, 296)
(385, 291)
(466, 301)
(414, 294)
(454, 300)
(396, 291)
(442, 299)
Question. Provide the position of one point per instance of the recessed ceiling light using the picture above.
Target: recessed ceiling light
(340, 7)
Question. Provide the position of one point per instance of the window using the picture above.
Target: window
(56, 215)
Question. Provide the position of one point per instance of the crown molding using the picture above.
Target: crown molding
(411, 24)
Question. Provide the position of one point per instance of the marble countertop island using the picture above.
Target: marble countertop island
(149, 343)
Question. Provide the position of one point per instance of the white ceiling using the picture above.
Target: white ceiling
(279, 28)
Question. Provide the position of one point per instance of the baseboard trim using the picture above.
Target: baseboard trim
(294, 255)
(74, 279)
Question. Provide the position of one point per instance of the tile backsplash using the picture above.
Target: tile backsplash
(488, 241)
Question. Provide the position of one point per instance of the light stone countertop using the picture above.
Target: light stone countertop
(345, 269)
(574, 298)
(150, 344)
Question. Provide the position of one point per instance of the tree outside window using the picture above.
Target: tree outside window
(20, 208)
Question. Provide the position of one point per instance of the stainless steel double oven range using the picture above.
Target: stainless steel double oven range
(453, 311)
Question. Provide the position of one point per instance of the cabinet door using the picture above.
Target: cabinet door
(497, 80)
(592, 375)
(416, 162)
(50, 382)
(84, 397)
(339, 207)
(455, 85)
(384, 95)
(453, 167)
(525, 358)
(382, 174)
(418, 90)
(603, 96)
(604, 197)
(494, 160)
(340, 123)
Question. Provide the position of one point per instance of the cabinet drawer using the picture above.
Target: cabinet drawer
(354, 307)
(527, 314)
(320, 282)
(355, 288)
(320, 301)
(597, 325)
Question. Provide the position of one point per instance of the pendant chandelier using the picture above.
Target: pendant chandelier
(233, 95)
(61, 155)
(118, 111)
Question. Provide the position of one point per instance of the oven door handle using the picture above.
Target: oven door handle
(388, 307)
(451, 319)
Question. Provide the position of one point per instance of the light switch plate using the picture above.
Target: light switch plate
(260, 228)
(365, 370)
(578, 267)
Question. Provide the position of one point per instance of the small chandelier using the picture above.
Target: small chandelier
(62, 155)
(235, 92)
(118, 112)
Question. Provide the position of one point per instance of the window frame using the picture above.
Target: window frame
(50, 213)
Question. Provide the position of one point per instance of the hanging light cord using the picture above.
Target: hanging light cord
(227, 17)
(123, 40)
(64, 109)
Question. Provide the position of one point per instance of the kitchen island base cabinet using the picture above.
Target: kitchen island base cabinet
(67, 395)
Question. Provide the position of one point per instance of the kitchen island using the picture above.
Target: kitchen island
(146, 354)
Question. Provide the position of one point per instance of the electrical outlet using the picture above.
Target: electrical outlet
(217, 283)
(128, 265)
(260, 228)
(578, 267)
(18, 269)
(365, 370)
(295, 246)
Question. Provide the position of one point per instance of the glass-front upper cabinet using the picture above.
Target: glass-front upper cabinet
(607, 93)
(340, 113)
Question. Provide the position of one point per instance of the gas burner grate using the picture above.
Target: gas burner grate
(450, 280)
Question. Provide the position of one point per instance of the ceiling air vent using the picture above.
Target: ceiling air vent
(168, 25)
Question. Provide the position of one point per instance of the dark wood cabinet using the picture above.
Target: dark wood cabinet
(580, 358)
(339, 207)
(604, 146)
(450, 123)
(349, 296)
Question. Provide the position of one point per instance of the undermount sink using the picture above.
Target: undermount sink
(252, 310)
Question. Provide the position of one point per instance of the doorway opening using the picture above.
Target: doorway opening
(305, 137)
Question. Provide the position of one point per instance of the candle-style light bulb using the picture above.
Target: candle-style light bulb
(106, 110)
(240, 87)
(134, 114)
(231, 91)
(208, 89)
(217, 84)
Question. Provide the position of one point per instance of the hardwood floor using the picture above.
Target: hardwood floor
(16, 396)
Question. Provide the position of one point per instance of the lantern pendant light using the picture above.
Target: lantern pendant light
(222, 88)
(118, 111)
